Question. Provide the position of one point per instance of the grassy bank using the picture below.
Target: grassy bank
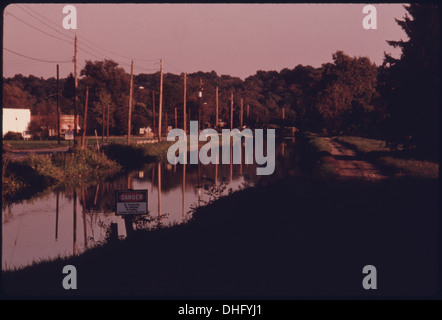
(396, 163)
(23, 179)
(30, 144)
(53, 144)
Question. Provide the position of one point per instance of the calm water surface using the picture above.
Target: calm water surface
(67, 222)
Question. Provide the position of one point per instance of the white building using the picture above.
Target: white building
(15, 120)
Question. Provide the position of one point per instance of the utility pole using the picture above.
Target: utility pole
(231, 111)
(248, 112)
(153, 115)
(161, 101)
(130, 101)
(200, 94)
(176, 119)
(103, 124)
(83, 140)
(184, 105)
(108, 111)
(216, 109)
(58, 105)
(75, 89)
(241, 114)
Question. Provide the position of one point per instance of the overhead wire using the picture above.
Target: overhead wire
(37, 59)
(30, 25)
(83, 40)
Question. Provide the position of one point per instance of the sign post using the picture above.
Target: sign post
(69, 135)
(130, 203)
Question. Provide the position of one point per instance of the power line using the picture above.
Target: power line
(52, 28)
(71, 42)
(176, 69)
(91, 42)
(36, 59)
(30, 25)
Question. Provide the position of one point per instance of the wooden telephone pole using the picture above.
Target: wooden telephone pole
(153, 114)
(241, 114)
(83, 140)
(75, 90)
(231, 111)
(216, 109)
(108, 111)
(176, 119)
(130, 101)
(103, 123)
(161, 101)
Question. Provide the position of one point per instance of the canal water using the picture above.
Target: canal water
(69, 221)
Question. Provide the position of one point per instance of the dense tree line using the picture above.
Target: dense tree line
(350, 95)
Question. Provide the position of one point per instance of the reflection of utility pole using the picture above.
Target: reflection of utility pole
(216, 169)
(183, 188)
(58, 105)
(159, 192)
(56, 215)
(153, 179)
(83, 196)
(75, 223)
(231, 161)
(184, 104)
(199, 184)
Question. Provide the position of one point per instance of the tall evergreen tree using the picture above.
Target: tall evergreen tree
(413, 82)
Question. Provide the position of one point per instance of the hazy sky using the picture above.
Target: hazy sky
(234, 39)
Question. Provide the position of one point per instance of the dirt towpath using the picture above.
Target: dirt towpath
(349, 165)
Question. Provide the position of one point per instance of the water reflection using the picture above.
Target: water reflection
(27, 227)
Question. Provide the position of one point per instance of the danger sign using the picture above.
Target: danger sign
(131, 202)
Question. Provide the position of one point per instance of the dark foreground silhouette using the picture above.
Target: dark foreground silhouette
(308, 236)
